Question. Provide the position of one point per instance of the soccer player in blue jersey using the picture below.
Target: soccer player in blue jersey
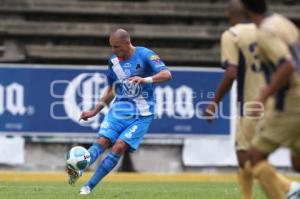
(132, 72)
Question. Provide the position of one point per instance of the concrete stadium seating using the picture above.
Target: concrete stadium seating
(184, 56)
(76, 31)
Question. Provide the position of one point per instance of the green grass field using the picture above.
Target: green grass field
(118, 185)
(124, 190)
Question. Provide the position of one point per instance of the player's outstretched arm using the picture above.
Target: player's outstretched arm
(105, 100)
(224, 87)
(162, 76)
(226, 83)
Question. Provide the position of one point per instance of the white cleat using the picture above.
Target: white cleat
(85, 190)
(294, 192)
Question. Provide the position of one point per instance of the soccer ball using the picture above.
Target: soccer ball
(78, 158)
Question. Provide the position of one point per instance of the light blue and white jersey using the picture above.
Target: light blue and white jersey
(134, 99)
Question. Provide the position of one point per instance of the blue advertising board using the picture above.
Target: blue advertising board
(47, 99)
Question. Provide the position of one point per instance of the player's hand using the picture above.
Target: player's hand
(209, 112)
(85, 115)
(256, 109)
(257, 106)
(137, 80)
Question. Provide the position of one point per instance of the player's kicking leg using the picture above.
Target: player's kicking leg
(95, 150)
(128, 139)
(244, 174)
(105, 167)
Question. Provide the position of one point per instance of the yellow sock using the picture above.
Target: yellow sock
(246, 182)
(268, 180)
(285, 183)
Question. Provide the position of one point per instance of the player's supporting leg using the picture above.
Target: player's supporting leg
(291, 188)
(268, 180)
(106, 166)
(246, 183)
(244, 174)
(285, 183)
(266, 175)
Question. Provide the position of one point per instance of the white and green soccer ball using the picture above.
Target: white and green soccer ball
(78, 158)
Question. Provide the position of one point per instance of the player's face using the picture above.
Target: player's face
(120, 47)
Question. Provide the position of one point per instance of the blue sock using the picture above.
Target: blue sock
(95, 151)
(106, 166)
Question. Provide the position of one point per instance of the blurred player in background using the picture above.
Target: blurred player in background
(239, 57)
(132, 72)
(279, 51)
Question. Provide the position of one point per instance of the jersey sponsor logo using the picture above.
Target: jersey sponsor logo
(131, 89)
(156, 60)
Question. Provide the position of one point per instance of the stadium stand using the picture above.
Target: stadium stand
(76, 31)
